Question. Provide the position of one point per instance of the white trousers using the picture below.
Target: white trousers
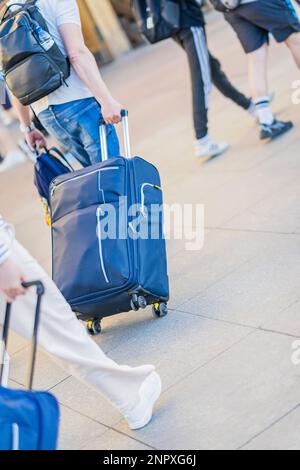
(64, 337)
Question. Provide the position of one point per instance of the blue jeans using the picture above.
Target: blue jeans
(76, 126)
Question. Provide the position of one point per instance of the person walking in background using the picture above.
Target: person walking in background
(253, 21)
(205, 71)
(11, 156)
(8, 120)
(72, 113)
(133, 391)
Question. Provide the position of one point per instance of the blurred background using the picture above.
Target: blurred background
(110, 31)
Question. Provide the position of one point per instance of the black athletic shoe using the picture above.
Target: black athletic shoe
(275, 130)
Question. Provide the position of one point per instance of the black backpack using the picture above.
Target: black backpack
(157, 19)
(225, 5)
(32, 63)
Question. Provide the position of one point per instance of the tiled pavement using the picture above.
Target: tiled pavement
(224, 352)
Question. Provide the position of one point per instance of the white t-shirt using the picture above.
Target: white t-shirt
(57, 13)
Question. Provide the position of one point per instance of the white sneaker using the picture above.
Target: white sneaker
(12, 160)
(210, 150)
(149, 393)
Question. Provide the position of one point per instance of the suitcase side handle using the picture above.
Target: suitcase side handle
(126, 136)
(40, 290)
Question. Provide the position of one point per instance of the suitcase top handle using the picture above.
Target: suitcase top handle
(126, 135)
(40, 290)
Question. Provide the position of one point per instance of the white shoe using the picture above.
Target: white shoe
(149, 393)
(210, 149)
(12, 160)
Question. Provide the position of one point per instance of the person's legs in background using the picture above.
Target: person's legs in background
(253, 23)
(76, 126)
(11, 156)
(193, 41)
(222, 83)
(7, 112)
(293, 43)
(270, 127)
(258, 79)
(258, 72)
(132, 390)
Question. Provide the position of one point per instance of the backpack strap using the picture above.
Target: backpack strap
(28, 3)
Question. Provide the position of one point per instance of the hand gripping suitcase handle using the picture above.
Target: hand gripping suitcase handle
(126, 134)
(40, 290)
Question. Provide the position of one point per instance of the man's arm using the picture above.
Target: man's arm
(86, 67)
(33, 136)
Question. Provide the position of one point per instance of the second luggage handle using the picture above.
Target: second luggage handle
(103, 136)
(40, 290)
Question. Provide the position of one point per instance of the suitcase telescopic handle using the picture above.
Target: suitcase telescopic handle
(40, 290)
(126, 133)
(126, 136)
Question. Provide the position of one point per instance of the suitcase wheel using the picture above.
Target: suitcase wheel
(138, 302)
(134, 305)
(94, 327)
(160, 310)
(142, 302)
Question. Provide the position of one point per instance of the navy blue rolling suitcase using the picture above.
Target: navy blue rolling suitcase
(28, 420)
(109, 250)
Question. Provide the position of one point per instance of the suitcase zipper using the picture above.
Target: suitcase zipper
(54, 186)
(144, 186)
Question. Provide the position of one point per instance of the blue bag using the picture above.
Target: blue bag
(48, 167)
(103, 275)
(28, 420)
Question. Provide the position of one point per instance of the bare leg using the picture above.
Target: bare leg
(258, 75)
(293, 43)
